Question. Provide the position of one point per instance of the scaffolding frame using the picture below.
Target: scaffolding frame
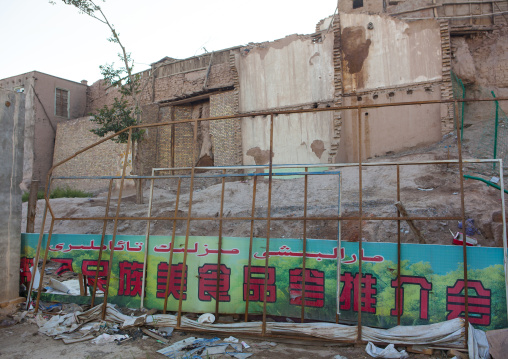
(272, 116)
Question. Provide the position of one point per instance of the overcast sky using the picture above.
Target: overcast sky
(57, 40)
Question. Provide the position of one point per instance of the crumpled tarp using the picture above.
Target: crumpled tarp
(449, 334)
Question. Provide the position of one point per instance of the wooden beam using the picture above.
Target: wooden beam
(32, 207)
(410, 222)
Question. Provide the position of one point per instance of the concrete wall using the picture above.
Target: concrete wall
(41, 119)
(12, 119)
(392, 53)
(26, 81)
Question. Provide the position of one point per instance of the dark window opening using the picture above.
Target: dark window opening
(62, 103)
(357, 4)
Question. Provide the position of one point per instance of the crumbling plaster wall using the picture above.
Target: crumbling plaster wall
(12, 118)
(392, 53)
(291, 73)
(390, 129)
(385, 60)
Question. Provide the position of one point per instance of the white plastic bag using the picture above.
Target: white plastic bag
(389, 352)
(207, 318)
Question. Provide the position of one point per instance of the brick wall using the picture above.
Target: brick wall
(185, 152)
(105, 159)
(226, 134)
(148, 146)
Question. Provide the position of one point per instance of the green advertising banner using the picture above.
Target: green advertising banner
(432, 285)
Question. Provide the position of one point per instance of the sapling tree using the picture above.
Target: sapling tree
(125, 111)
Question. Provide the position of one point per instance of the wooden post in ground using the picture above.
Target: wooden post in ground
(32, 207)
(410, 222)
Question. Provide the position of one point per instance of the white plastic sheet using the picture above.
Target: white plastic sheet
(477, 344)
(449, 334)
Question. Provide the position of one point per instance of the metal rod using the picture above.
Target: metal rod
(463, 214)
(398, 301)
(147, 245)
(172, 246)
(269, 213)
(115, 227)
(104, 226)
(39, 290)
(300, 218)
(249, 265)
(339, 108)
(496, 125)
(36, 258)
(304, 258)
(39, 243)
(360, 212)
(173, 136)
(219, 254)
(247, 167)
(189, 215)
(324, 109)
(505, 246)
(339, 251)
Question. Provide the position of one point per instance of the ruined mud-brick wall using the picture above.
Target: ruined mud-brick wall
(172, 81)
(180, 90)
(481, 62)
(374, 69)
(462, 17)
(105, 159)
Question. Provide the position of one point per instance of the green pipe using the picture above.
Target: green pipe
(495, 128)
(485, 181)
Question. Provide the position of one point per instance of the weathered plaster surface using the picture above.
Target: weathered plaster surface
(287, 72)
(380, 51)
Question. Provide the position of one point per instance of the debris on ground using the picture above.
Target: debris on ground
(109, 338)
(199, 347)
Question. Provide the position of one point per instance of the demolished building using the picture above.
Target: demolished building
(347, 61)
(292, 101)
